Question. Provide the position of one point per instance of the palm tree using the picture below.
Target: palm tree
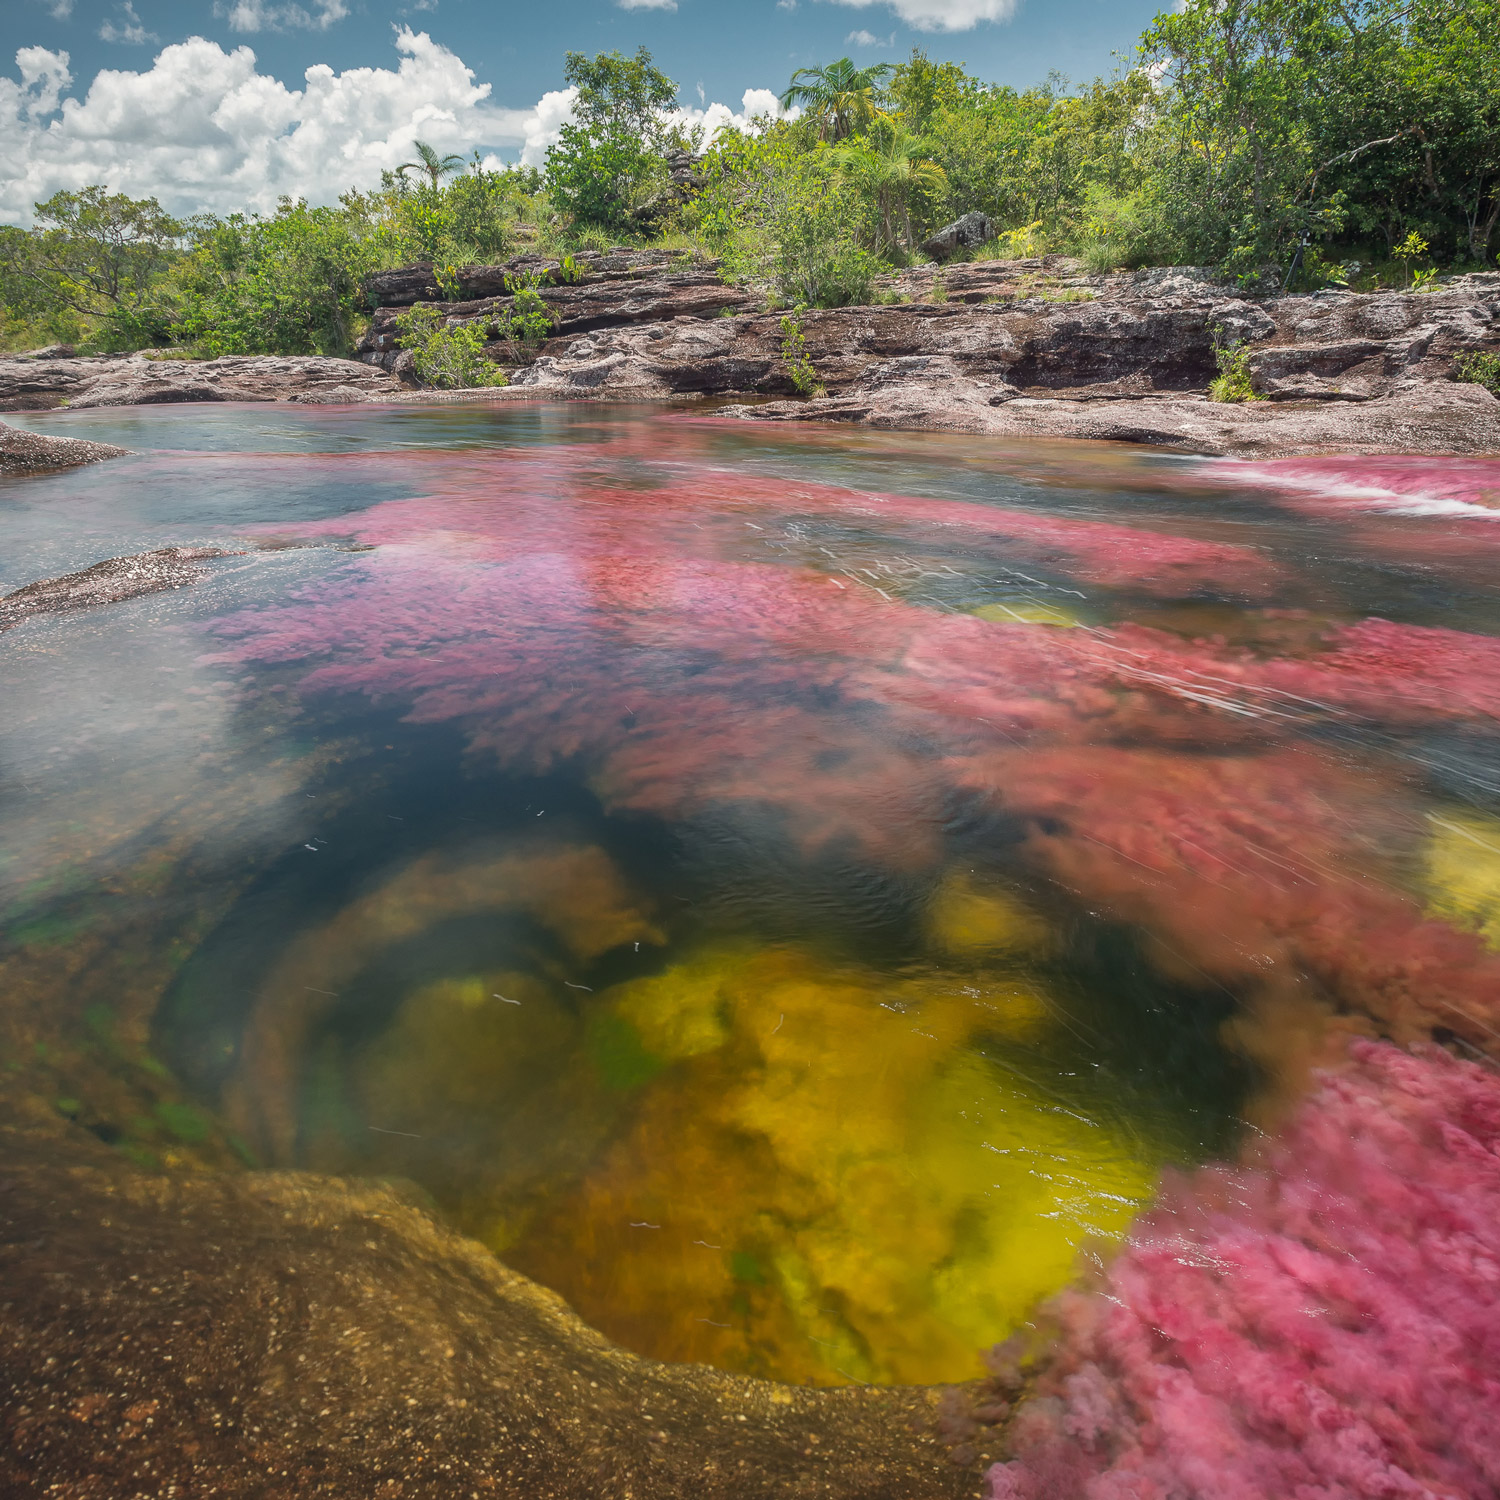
(840, 97)
(435, 166)
(891, 166)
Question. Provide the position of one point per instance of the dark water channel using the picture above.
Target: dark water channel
(791, 893)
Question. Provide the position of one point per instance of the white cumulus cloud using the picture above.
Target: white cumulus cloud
(203, 129)
(863, 38)
(647, 4)
(941, 15)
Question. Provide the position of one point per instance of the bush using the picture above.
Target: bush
(1480, 369)
(448, 356)
(530, 318)
(1233, 380)
(794, 355)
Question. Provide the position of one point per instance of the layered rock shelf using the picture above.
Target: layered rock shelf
(1011, 348)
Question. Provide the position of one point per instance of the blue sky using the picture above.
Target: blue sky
(208, 124)
(726, 45)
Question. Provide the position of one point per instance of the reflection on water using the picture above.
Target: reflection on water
(791, 893)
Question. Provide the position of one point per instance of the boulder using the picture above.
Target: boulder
(962, 234)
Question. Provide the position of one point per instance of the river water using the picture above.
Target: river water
(791, 892)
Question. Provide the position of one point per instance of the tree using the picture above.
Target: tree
(435, 166)
(98, 254)
(840, 98)
(893, 170)
(609, 161)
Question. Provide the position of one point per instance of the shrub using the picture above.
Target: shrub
(448, 356)
(530, 318)
(794, 356)
(1233, 380)
(1480, 369)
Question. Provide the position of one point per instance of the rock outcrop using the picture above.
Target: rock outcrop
(44, 383)
(108, 582)
(1009, 347)
(23, 452)
(273, 1336)
(1016, 347)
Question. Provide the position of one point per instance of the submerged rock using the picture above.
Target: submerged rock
(108, 582)
(24, 452)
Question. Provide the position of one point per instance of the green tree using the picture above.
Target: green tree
(893, 171)
(436, 167)
(99, 255)
(609, 162)
(840, 99)
(287, 284)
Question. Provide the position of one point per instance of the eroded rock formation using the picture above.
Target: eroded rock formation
(276, 1335)
(1016, 348)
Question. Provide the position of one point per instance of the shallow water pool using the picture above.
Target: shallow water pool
(790, 892)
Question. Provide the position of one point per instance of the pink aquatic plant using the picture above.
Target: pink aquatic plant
(1323, 1324)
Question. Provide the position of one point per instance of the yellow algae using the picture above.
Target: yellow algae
(1027, 612)
(677, 1014)
(844, 1187)
(964, 918)
(1463, 872)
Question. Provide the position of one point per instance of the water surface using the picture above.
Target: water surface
(790, 892)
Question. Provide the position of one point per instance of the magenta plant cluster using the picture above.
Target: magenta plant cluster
(1324, 1324)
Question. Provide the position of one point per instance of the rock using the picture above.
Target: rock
(23, 452)
(134, 380)
(277, 1335)
(108, 582)
(962, 234)
(1430, 417)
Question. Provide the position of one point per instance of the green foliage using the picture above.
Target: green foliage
(1480, 369)
(530, 318)
(840, 99)
(1233, 380)
(448, 356)
(94, 262)
(794, 356)
(608, 167)
(288, 284)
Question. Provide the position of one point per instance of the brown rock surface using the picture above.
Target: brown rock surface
(1024, 348)
(36, 384)
(276, 1335)
(23, 452)
(108, 582)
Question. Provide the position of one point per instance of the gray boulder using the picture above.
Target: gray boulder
(962, 234)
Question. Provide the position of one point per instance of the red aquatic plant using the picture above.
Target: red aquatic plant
(1322, 1324)
(1244, 866)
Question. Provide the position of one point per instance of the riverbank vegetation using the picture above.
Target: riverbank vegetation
(1290, 143)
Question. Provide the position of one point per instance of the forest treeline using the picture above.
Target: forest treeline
(1300, 143)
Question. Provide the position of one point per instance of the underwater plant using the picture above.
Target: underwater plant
(1325, 1322)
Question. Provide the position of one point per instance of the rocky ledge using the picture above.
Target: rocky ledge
(48, 379)
(273, 1336)
(1027, 347)
(24, 452)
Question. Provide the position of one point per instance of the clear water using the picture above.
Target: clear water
(790, 892)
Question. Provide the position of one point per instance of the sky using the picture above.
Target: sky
(217, 105)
